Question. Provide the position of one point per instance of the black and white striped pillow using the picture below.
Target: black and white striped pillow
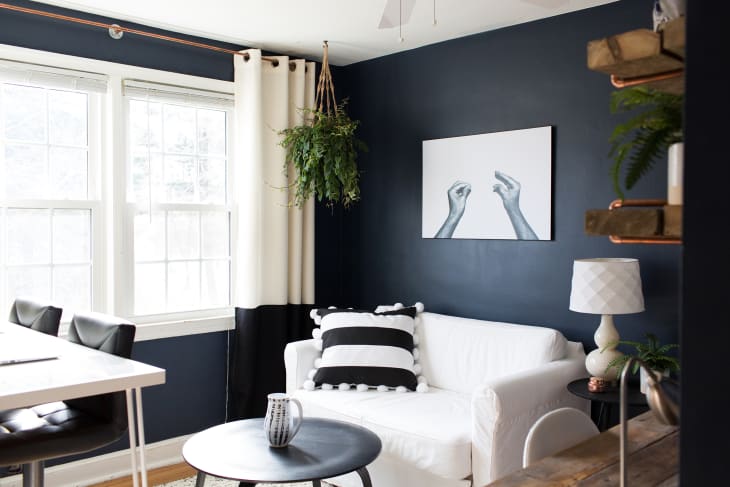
(366, 350)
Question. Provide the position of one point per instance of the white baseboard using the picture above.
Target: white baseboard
(106, 467)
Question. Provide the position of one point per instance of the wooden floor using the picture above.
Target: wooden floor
(157, 476)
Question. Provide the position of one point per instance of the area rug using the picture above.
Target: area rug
(211, 481)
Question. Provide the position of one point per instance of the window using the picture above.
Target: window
(178, 171)
(49, 198)
(115, 193)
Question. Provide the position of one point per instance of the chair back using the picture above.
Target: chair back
(36, 315)
(112, 335)
(556, 431)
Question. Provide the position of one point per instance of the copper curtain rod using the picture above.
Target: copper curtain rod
(117, 28)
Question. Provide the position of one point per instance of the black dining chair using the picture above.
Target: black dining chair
(36, 315)
(30, 436)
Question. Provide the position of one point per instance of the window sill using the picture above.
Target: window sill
(175, 328)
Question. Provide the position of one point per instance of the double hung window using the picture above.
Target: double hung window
(50, 146)
(178, 194)
(114, 194)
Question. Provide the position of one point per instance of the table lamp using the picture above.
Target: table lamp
(605, 286)
(662, 394)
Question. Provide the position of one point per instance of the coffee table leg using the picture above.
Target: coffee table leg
(365, 477)
(200, 479)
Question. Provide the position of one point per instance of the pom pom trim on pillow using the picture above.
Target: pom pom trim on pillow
(365, 350)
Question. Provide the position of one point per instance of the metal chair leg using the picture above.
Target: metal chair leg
(33, 474)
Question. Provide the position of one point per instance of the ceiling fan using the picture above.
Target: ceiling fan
(397, 13)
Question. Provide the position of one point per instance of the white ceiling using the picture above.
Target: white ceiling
(298, 27)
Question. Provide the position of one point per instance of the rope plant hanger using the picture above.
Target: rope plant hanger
(323, 150)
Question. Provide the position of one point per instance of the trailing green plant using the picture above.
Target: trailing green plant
(646, 136)
(650, 352)
(323, 152)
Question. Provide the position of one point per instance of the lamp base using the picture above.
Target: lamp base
(597, 363)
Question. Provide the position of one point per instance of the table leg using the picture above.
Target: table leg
(602, 417)
(365, 477)
(140, 430)
(316, 483)
(200, 479)
(132, 437)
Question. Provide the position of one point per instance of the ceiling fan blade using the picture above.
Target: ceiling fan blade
(393, 17)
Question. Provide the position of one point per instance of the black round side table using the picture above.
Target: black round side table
(322, 448)
(607, 398)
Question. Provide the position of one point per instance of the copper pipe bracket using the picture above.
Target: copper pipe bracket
(626, 82)
(642, 240)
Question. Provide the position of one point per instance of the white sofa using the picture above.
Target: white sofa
(489, 382)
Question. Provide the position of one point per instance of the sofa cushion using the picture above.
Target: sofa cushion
(365, 349)
(405, 424)
(461, 353)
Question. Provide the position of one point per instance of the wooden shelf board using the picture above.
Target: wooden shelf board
(640, 53)
(656, 222)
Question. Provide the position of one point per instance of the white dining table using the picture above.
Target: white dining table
(68, 370)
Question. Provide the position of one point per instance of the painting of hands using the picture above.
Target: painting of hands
(502, 204)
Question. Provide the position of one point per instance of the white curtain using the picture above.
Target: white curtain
(274, 248)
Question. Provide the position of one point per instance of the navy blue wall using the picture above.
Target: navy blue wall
(525, 76)
(706, 264)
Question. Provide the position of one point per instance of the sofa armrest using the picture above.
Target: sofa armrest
(298, 360)
(504, 409)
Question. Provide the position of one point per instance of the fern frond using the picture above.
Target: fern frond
(646, 136)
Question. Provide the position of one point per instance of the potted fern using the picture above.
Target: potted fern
(323, 150)
(650, 352)
(647, 136)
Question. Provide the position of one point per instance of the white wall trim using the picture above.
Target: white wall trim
(168, 329)
(107, 467)
(123, 71)
(173, 328)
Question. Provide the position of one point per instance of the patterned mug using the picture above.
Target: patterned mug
(280, 425)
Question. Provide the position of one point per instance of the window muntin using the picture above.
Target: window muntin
(178, 165)
(47, 151)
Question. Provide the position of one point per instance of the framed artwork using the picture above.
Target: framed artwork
(489, 186)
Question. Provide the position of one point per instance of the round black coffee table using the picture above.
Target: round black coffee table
(607, 398)
(322, 448)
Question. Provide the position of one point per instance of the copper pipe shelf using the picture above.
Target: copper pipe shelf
(642, 57)
(648, 221)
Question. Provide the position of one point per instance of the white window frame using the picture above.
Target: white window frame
(115, 246)
(127, 304)
(95, 140)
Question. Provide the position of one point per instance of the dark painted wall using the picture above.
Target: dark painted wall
(705, 328)
(525, 76)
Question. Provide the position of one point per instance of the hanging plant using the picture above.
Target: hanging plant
(323, 150)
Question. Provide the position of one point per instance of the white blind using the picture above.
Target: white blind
(171, 93)
(50, 77)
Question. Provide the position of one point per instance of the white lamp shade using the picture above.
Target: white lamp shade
(606, 286)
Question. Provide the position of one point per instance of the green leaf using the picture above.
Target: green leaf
(644, 138)
(323, 152)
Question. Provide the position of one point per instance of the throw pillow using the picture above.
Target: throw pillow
(366, 350)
